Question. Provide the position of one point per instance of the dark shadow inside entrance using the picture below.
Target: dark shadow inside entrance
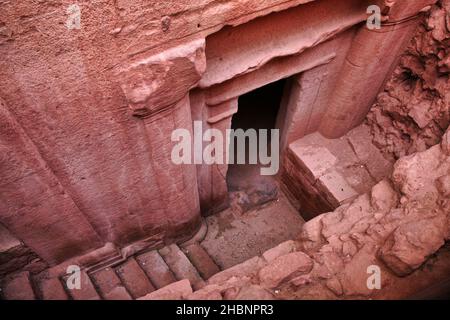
(257, 109)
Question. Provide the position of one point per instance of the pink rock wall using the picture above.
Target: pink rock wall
(413, 111)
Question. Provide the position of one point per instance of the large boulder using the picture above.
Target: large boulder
(410, 245)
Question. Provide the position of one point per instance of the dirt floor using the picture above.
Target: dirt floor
(234, 237)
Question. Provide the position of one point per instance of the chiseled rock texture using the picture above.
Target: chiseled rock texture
(413, 111)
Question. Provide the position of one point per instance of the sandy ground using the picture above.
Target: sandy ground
(234, 237)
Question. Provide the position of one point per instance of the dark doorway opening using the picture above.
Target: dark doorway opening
(257, 109)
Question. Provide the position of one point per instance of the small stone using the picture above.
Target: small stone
(443, 185)
(165, 23)
(383, 197)
(349, 249)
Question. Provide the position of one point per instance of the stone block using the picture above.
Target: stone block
(204, 264)
(285, 268)
(314, 160)
(336, 188)
(18, 287)
(156, 268)
(134, 278)
(106, 280)
(175, 291)
(254, 292)
(87, 290)
(248, 268)
(52, 289)
(280, 250)
(118, 293)
(181, 266)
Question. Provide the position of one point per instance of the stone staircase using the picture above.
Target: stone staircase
(148, 274)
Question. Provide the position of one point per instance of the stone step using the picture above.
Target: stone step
(118, 293)
(87, 290)
(180, 265)
(18, 287)
(156, 269)
(175, 291)
(204, 264)
(52, 289)
(109, 285)
(134, 278)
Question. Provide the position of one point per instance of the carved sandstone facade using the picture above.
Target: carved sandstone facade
(86, 114)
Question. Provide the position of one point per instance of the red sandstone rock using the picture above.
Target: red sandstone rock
(118, 293)
(383, 196)
(52, 289)
(152, 83)
(18, 287)
(106, 280)
(134, 278)
(411, 244)
(181, 266)
(86, 291)
(254, 292)
(92, 174)
(201, 260)
(174, 291)
(156, 269)
(211, 292)
(280, 250)
(285, 268)
(248, 268)
(413, 111)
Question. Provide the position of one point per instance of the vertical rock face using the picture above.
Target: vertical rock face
(33, 203)
(413, 111)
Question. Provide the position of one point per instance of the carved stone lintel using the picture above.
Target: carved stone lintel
(154, 83)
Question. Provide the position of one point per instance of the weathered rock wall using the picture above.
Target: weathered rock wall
(413, 111)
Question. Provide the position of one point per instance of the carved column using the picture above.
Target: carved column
(368, 64)
(212, 182)
(157, 91)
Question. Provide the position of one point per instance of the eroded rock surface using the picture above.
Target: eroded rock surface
(413, 111)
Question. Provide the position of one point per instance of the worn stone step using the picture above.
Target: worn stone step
(204, 264)
(134, 278)
(118, 293)
(156, 269)
(109, 285)
(87, 290)
(175, 291)
(180, 265)
(52, 289)
(18, 287)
